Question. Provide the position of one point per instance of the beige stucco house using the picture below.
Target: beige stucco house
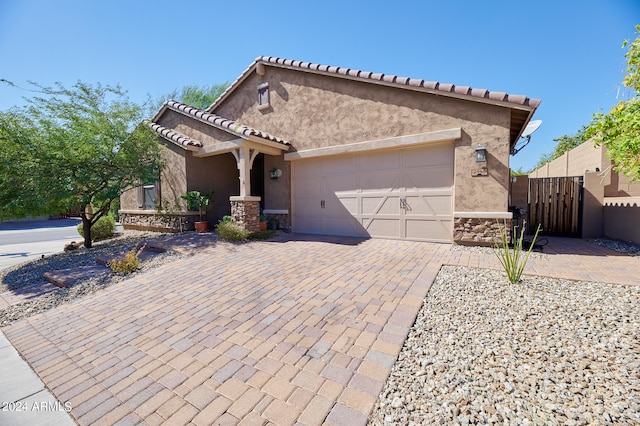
(337, 151)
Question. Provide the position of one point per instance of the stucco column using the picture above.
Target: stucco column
(245, 209)
(244, 158)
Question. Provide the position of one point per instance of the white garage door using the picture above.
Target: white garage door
(400, 194)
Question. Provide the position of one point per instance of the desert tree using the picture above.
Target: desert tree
(71, 148)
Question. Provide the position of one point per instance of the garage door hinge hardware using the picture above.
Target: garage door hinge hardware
(404, 204)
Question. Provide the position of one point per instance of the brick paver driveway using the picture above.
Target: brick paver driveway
(292, 331)
(298, 330)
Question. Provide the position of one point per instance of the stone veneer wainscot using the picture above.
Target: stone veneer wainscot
(479, 228)
(151, 220)
(246, 212)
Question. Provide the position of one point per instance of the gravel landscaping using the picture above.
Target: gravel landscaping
(31, 274)
(619, 246)
(544, 351)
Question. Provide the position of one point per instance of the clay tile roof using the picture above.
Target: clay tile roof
(517, 99)
(434, 86)
(219, 122)
(498, 96)
(445, 87)
(479, 93)
(404, 81)
(172, 135)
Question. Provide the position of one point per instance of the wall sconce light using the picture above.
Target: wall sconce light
(481, 154)
(275, 173)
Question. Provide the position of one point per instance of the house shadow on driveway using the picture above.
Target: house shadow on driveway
(285, 237)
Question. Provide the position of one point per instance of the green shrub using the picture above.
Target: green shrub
(103, 228)
(258, 236)
(511, 259)
(128, 263)
(231, 231)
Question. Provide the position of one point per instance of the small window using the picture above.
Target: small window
(263, 96)
(149, 195)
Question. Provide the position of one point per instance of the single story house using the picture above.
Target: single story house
(337, 151)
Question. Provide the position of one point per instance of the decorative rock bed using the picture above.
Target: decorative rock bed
(544, 351)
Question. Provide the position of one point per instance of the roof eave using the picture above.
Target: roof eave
(221, 123)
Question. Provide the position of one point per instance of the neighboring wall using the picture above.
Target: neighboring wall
(622, 218)
(623, 187)
(519, 192)
(612, 202)
(574, 163)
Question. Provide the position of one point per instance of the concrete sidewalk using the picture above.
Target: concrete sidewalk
(23, 397)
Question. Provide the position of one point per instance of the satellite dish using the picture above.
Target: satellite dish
(531, 127)
(526, 134)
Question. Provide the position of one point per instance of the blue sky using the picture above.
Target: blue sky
(568, 53)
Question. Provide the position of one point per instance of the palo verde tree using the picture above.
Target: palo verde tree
(198, 96)
(619, 130)
(71, 148)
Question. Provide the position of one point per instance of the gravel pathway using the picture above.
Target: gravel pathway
(544, 351)
(31, 274)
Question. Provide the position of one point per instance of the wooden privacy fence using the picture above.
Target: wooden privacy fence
(556, 204)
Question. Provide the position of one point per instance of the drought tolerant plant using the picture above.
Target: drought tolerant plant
(70, 148)
(128, 263)
(513, 260)
(231, 231)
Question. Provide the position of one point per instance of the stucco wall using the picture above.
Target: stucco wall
(173, 182)
(592, 212)
(129, 199)
(276, 191)
(520, 192)
(574, 163)
(625, 188)
(218, 172)
(622, 219)
(173, 179)
(315, 111)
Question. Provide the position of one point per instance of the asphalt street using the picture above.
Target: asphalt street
(25, 240)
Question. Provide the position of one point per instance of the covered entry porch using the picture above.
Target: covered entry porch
(207, 152)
